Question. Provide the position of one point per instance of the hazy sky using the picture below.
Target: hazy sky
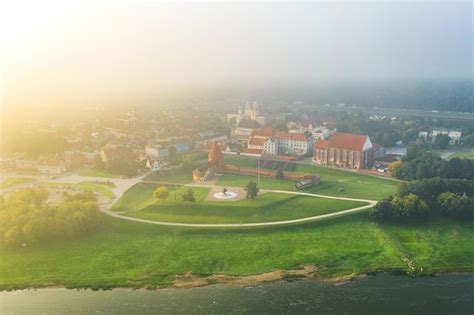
(54, 53)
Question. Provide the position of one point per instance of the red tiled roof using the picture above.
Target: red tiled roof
(291, 136)
(253, 151)
(349, 141)
(321, 144)
(256, 141)
(264, 132)
(215, 154)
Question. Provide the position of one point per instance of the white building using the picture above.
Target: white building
(51, 166)
(278, 142)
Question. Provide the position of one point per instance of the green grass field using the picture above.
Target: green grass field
(129, 254)
(139, 202)
(354, 185)
(12, 181)
(179, 175)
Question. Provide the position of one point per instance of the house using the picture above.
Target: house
(273, 142)
(210, 136)
(51, 166)
(344, 150)
(379, 151)
(454, 136)
(111, 152)
(26, 165)
(158, 152)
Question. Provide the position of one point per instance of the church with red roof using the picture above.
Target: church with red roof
(346, 150)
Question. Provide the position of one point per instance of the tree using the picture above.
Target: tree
(441, 141)
(456, 206)
(394, 167)
(383, 210)
(252, 190)
(279, 174)
(161, 193)
(189, 195)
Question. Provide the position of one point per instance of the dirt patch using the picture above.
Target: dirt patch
(192, 281)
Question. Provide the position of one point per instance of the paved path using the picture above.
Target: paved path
(106, 209)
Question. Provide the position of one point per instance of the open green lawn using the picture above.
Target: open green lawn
(138, 202)
(12, 181)
(354, 185)
(131, 254)
(179, 175)
(442, 245)
(462, 155)
(90, 186)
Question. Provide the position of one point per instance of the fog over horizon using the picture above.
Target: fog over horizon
(126, 52)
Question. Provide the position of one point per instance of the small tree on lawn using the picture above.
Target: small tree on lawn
(189, 195)
(252, 190)
(161, 193)
(279, 174)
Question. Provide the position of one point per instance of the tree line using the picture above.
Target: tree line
(420, 200)
(420, 164)
(26, 218)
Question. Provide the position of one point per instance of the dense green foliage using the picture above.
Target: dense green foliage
(419, 200)
(429, 166)
(161, 193)
(410, 208)
(26, 219)
(252, 189)
(441, 141)
(456, 206)
(188, 195)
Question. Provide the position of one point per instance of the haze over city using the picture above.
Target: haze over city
(104, 53)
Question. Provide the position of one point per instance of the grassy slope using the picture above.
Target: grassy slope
(132, 254)
(266, 207)
(355, 185)
(11, 181)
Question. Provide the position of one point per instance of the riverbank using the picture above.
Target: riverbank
(380, 294)
(135, 255)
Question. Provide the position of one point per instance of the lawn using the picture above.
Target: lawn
(179, 175)
(12, 181)
(130, 254)
(90, 186)
(462, 153)
(442, 245)
(353, 184)
(138, 202)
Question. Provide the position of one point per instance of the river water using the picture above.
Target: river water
(381, 294)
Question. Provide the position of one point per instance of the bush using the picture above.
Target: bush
(189, 195)
(26, 219)
(410, 208)
(252, 190)
(456, 206)
(161, 193)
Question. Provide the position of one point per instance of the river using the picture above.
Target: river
(381, 294)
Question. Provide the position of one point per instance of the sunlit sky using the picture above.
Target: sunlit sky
(57, 53)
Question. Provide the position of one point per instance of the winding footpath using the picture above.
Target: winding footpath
(370, 203)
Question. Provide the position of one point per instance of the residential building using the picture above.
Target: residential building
(344, 150)
(272, 142)
(51, 166)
